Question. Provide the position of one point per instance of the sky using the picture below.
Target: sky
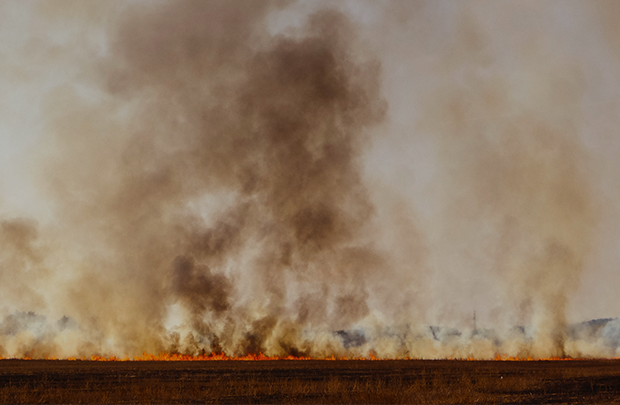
(483, 174)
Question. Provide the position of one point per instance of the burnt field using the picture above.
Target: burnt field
(310, 381)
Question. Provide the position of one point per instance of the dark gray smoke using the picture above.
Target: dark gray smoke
(211, 106)
(207, 173)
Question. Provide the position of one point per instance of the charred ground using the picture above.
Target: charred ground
(310, 381)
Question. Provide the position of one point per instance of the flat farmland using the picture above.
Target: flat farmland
(310, 381)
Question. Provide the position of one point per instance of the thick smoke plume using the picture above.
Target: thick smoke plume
(209, 192)
(219, 110)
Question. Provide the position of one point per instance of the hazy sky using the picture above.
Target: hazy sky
(494, 173)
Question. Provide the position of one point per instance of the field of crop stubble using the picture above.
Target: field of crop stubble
(310, 381)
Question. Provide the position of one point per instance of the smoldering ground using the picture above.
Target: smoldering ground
(208, 178)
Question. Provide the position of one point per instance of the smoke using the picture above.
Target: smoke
(21, 259)
(220, 179)
(517, 169)
(218, 108)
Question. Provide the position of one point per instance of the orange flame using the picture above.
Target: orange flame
(257, 357)
(203, 357)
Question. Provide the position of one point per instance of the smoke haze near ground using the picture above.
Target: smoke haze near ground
(308, 179)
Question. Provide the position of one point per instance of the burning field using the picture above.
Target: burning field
(273, 180)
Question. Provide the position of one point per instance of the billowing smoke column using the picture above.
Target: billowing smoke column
(212, 113)
(274, 124)
(207, 179)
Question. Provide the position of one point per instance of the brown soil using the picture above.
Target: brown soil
(311, 381)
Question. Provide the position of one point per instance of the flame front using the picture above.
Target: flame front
(261, 357)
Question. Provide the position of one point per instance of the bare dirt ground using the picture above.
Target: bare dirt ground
(310, 381)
